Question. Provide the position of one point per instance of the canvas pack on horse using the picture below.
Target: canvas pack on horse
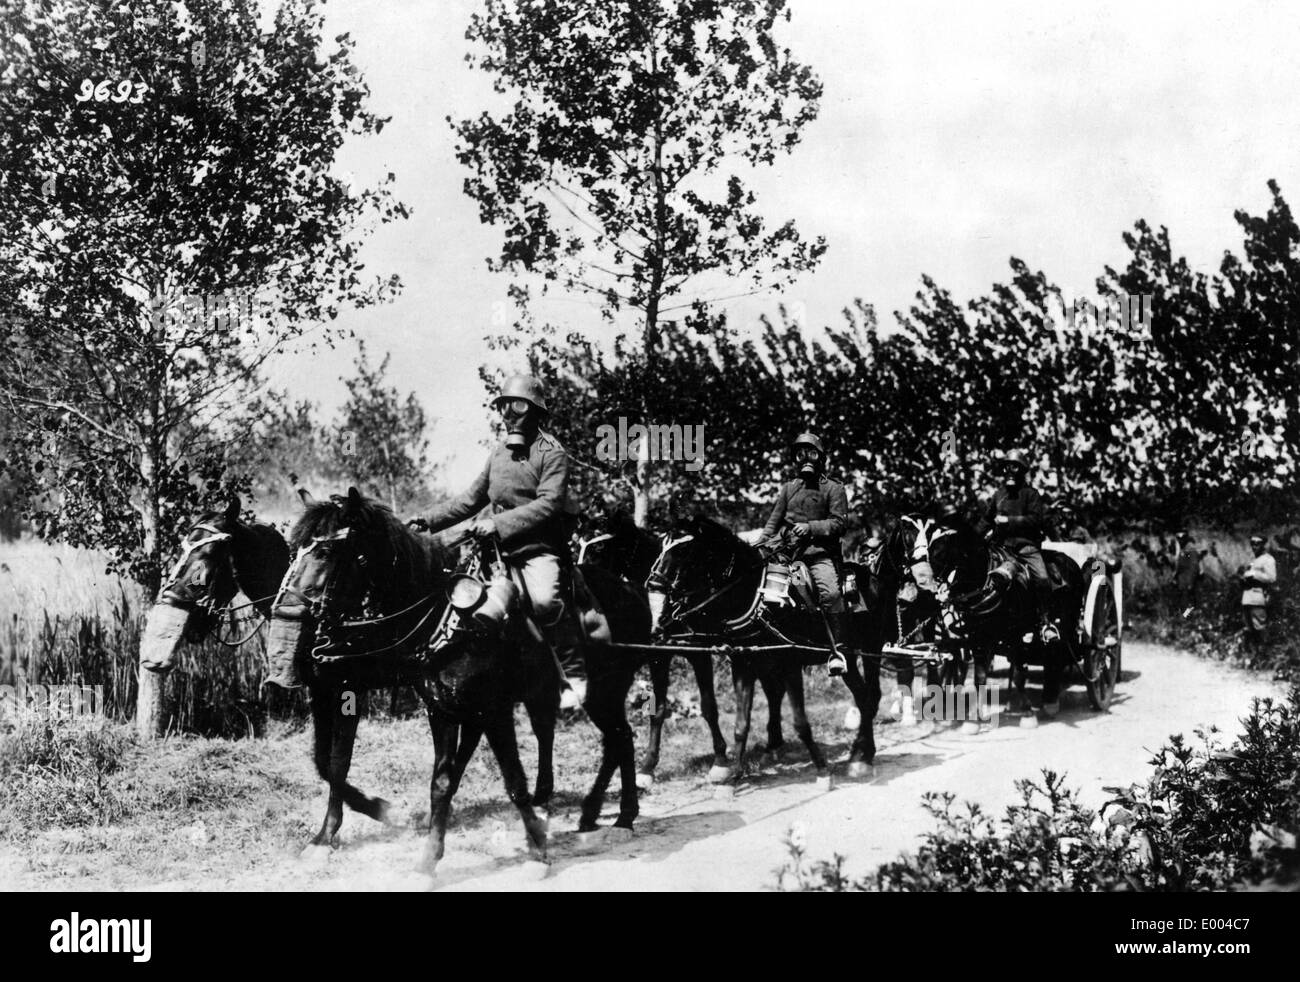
(627, 551)
(709, 587)
(219, 557)
(988, 607)
(359, 568)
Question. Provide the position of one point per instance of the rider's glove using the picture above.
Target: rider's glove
(802, 529)
(418, 523)
(483, 527)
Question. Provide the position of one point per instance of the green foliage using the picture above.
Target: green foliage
(1209, 818)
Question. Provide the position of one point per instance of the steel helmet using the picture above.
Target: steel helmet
(1014, 458)
(524, 387)
(811, 440)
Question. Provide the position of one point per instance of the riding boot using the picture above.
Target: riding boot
(1047, 631)
(565, 636)
(839, 629)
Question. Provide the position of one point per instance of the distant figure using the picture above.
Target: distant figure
(1257, 579)
(1187, 572)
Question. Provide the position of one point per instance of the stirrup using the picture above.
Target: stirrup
(836, 664)
(1049, 633)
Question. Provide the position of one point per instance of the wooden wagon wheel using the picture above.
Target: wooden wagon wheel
(1101, 665)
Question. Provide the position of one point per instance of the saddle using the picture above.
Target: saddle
(579, 602)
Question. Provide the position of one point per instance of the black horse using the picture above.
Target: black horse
(618, 545)
(984, 614)
(220, 556)
(356, 560)
(895, 588)
(705, 589)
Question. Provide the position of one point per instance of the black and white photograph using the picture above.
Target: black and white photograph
(652, 446)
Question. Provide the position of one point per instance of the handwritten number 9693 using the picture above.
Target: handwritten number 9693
(100, 92)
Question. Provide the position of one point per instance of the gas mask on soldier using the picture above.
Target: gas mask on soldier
(515, 414)
(807, 458)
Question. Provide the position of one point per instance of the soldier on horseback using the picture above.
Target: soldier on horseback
(816, 507)
(526, 482)
(1014, 517)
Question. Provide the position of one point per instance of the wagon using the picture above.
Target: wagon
(1099, 645)
(1095, 646)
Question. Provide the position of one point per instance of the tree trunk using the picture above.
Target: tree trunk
(151, 710)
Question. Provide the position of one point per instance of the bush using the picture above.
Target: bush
(1209, 818)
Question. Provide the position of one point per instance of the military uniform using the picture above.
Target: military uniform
(824, 505)
(1259, 575)
(1022, 533)
(528, 493)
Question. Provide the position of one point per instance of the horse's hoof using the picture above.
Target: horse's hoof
(970, 728)
(315, 857)
(1029, 722)
(860, 769)
(724, 792)
(852, 718)
(1051, 709)
(534, 870)
(644, 782)
(719, 773)
(825, 782)
(383, 809)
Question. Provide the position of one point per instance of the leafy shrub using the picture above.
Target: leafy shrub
(1209, 818)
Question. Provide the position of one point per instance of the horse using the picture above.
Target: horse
(982, 617)
(896, 587)
(220, 556)
(626, 550)
(705, 588)
(353, 555)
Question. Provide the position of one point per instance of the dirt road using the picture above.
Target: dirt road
(689, 838)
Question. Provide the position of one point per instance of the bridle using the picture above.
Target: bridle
(318, 607)
(207, 603)
(676, 610)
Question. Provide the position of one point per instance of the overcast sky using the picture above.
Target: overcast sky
(952, 136)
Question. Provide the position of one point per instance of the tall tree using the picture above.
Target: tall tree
(379, 441)
(616, 172)
(161, 235)
(155, 153)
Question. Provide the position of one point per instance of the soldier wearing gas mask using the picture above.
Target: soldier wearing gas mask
(526, 482)
(817, 509)
(1016, 518)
